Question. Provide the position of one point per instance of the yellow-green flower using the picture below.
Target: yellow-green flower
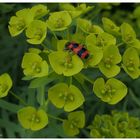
(131, 63)
(33, 119)
(75, 11)
(108, 65)
(64, 96)
(36, 32)
(59, 21)
(63, 63)
(87, 27)
(76, 120)
(34, 65)
(111, 92)
(5, 84)
(39, 11)
(19, 22)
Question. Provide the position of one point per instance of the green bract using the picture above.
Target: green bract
(5, 84)
(61, 44)
(96, 54)
(34, 50)
(111, 92)
(105, 39)
(33, 119)
(111, 57)
(87, 27)
(59, 21)
(128, 34)
(75, 11)
(19, 22)
(110, 26)
(75, 121)
(34, 66)
(63, 96)
(137, 12)
(39, 11)
(63, 63)
(131, 63)
(36, 32)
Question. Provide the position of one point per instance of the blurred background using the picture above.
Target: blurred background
(11, 53)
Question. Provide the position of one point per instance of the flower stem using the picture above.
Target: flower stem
(86, 78)
(17, 97)
(120, 44)
(43, 45)
(56, 118)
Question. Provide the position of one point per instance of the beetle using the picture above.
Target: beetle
(78, 49)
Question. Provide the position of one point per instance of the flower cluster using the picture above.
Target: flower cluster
(116, 125)
(111, 48)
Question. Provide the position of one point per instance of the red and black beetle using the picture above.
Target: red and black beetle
(78, 49)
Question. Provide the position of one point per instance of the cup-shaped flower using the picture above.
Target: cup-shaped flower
(63, 63)
(105, 39)
(63, 96)
(59, 21)
(110, 26)
(32, 119)
(128, 33)
(39, 11)
(87, 27)
(34, 65)
(36, 32)
(75, 121)
(19, 22)
(131, 62)
(111, 57)
(96, 55)
(75, 11)
(5, 84)
(111, 92)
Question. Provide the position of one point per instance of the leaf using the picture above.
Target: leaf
(42, 81)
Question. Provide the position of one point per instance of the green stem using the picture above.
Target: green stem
(56, 118)
(134, 97)
(54, 35)
(46, 104)
(17, 97)
(41, 96)
(86, 78)
(120, 44)
(68, 35)
(43, 45)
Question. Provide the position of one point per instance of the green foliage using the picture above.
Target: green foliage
(116, 125)
(56, 80)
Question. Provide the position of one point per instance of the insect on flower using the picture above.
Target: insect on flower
(78, 49)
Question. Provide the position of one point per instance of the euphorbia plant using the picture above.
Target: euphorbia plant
(58, 74)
